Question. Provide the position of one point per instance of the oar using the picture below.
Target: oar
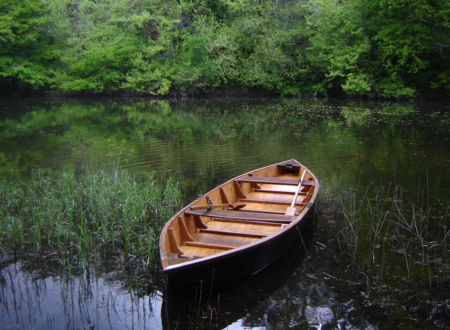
(290, 211)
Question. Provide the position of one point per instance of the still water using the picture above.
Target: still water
(202, 143)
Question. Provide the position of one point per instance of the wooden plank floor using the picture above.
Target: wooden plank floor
(264, 207)
(210, 243)
(192, 251)
(226, 240)
(244, 227)
(228, 229)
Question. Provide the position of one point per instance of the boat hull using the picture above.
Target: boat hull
(241, 264)
(240, 227)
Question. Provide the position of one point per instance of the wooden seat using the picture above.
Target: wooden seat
(231, 233)
(241, 215)
(272, 180)
(244, 221)
(268, 201)
(277, 191)
(253, 222)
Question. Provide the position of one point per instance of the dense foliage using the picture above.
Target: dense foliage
(389, 48)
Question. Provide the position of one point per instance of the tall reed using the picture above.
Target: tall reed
(389, 235)
(77, 218)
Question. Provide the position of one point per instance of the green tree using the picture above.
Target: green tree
(259, 45)
(339, 47)
(392, 48)
(409, 38)
(196, 69)
(27, 51)
(119, 45)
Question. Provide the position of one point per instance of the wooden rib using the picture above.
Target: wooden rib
(184, 231)
(198, 222)
(209, 246)
(253, 222)
(173, 241)
(224, 197)
(238, 189)
(231, 233)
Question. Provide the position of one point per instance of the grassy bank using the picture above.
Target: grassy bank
(76, 218)
(389, 236)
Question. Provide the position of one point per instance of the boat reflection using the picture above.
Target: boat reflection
(284, 296)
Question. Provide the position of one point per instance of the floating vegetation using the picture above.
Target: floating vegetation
(75, 218)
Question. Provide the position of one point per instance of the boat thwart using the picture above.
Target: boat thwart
(240, 227)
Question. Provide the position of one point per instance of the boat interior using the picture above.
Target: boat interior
(240, 212)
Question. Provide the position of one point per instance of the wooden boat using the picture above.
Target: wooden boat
(240, 227)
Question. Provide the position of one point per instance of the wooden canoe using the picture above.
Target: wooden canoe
(240, 227)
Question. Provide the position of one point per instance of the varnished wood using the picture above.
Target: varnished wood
(224, 196)
(268, 201)
(198, 221)
(278, 181)
(231, 233)
(215, 206)
(173, 242)
(275, 223)
(206, 245)
(242, 216)
(264, 211)
(291, 210)
(238, 189)
(184, 232)
(275, 191)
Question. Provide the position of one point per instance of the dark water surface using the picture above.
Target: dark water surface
(202, 143)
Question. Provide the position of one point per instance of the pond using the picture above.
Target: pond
(364, 154)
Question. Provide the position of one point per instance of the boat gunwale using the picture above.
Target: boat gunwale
(228, 253)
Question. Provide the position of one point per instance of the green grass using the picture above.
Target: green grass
(76, 219)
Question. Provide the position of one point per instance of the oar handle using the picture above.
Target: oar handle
(298, 189)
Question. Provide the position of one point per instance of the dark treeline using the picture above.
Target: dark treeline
(387, 48)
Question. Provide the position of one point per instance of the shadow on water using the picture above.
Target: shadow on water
(285, 295)
(218, 305)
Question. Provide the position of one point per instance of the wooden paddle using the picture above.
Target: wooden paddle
(290, 211)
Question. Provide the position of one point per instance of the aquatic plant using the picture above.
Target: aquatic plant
(75, 218)
(389, 235)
